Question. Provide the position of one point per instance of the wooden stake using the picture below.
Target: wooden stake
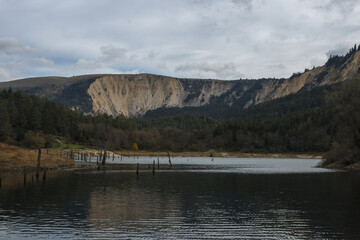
(137, 169)
(104, 157)
(38, 163)
(44, 175)
(169, 160)
(24, 177)
(154, 167)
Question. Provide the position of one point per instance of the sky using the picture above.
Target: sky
(218, 39)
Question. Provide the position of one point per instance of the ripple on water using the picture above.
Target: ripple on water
(217, 203)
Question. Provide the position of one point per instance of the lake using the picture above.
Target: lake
(198, 198)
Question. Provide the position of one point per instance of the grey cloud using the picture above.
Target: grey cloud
(12, 46)
(245, 4)
(4, 75)
(223, 71)
(343, 5)
(86, 64)
(315, 62)
(222, 39)
(337, 51)
(276, 66)
(43, 62)
(111, 53)
(152, 55)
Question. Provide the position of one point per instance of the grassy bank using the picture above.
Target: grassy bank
(16, 158)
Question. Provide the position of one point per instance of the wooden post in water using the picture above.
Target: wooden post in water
(38, 163)
(113, 156)
(44, 174)
(121, 158)
(100, 155)
(154, 167)
(104, 157)
(0, 182)
(169, 160)
(24, 177)
(137, 169)
(158, 163)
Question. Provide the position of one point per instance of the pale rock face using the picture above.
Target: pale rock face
(135, 95)
(319, 76)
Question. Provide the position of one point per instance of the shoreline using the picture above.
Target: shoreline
(17, 159)
(218, 154)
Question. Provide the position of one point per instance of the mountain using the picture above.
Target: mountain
(137, 94)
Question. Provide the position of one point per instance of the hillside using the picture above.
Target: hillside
(135, 95)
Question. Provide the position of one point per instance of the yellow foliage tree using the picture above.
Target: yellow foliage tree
(136, 147)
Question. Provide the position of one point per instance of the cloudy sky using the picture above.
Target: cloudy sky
(222, 39)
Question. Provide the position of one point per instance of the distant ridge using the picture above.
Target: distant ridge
(135, 94)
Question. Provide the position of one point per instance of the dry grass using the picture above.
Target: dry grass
(16, 158)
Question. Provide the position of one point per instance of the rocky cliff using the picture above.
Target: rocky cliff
(134, 95)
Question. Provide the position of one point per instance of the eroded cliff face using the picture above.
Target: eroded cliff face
(134, 95)
(332, 72)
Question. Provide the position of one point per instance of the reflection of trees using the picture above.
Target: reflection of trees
(182, 205)
(191, 203)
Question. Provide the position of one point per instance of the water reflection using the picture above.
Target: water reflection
(116, 204)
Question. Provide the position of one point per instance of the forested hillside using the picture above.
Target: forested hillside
(297, 123)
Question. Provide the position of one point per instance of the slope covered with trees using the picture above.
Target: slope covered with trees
(300, 124)
(346, 146)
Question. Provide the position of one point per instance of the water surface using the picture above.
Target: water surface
(230, 198)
